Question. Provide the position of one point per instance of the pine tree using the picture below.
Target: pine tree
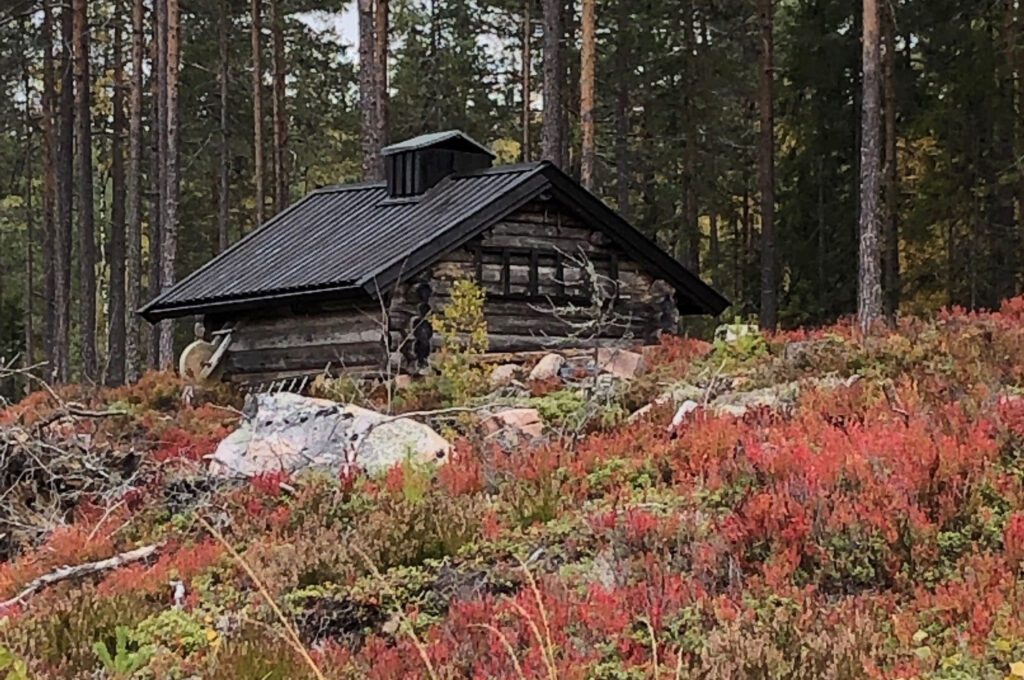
(116, 315)
(869, 288)
(133, 199)
(552, 132)
(256, 28)
(280, 112)
(588, 52)
(766, 166)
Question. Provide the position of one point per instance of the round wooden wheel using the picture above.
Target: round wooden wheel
(194, 360)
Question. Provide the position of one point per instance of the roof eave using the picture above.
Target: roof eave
(154, 311)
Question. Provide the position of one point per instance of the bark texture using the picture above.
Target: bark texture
(552, 135)
(86, 217)
(133, 199)
(869, 280)
(169, 251)
(588, 53)
(256, 28)
(116, 237)
(766, 166)
(280, 110)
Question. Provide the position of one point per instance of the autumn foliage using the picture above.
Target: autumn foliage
(875, 529)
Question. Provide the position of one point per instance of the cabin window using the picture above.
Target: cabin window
(541, 273)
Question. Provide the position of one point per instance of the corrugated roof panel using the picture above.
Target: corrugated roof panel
(338, 236)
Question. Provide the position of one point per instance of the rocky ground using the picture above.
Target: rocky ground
(808, 505)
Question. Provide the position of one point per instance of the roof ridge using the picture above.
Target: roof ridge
(508, 168)
(353, 186)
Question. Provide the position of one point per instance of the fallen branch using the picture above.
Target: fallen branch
(77, 571)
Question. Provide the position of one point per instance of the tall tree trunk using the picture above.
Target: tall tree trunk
(367, 92)
(552, 135)
(622, 124)
(381, 33)
(256, 28)
(588, 54)
(86, 225)
(222, 143)
(869, 289)
(169, 250)
(133, 275)
(49, 124)
(280, 110)
(29, 357)
(526, 72)
(65, 199)
(766, 167)
(891, 238)
(158, 184)
(691, 227)
(116, 243)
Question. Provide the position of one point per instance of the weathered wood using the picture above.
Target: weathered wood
(314, 358)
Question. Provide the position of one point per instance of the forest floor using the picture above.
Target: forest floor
(868, 521)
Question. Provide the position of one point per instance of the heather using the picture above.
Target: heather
(864, 522)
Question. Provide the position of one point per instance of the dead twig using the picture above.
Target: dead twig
(80, 570)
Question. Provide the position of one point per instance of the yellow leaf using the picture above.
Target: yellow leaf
(1017, 669)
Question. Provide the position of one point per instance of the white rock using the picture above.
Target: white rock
(290, 432)
(503, 375)
(548, 367)
(685, 409)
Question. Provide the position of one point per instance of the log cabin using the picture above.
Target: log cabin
(347, 279)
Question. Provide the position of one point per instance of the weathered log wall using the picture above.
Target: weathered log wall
(533, 267)
(291, 342)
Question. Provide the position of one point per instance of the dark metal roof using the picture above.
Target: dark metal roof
(446, 138)
(354, 240)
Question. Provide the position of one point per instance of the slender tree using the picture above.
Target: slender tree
(869, 288)
(689, 241)
(65, 196)
(891, 238)
(49, 154)
(526, 69)
(381, 35)
(552, 130)
(766, 166)
(588, 54)
(280, 111)
(86, 215)
(133, 199)
(169, 251)
(622, 120)
(367, 92)
(116, 234)
(158, 166)
(29, 358)
(223, 73)
(256, 28)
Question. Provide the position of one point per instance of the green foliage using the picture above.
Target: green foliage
(173, 629)
(127, 656)
(11, 666)
(463, 331)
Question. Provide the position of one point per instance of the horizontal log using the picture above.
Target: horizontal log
(312, 358)
(545, 215)
(301, 336)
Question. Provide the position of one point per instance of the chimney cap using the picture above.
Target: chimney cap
(447, 138)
